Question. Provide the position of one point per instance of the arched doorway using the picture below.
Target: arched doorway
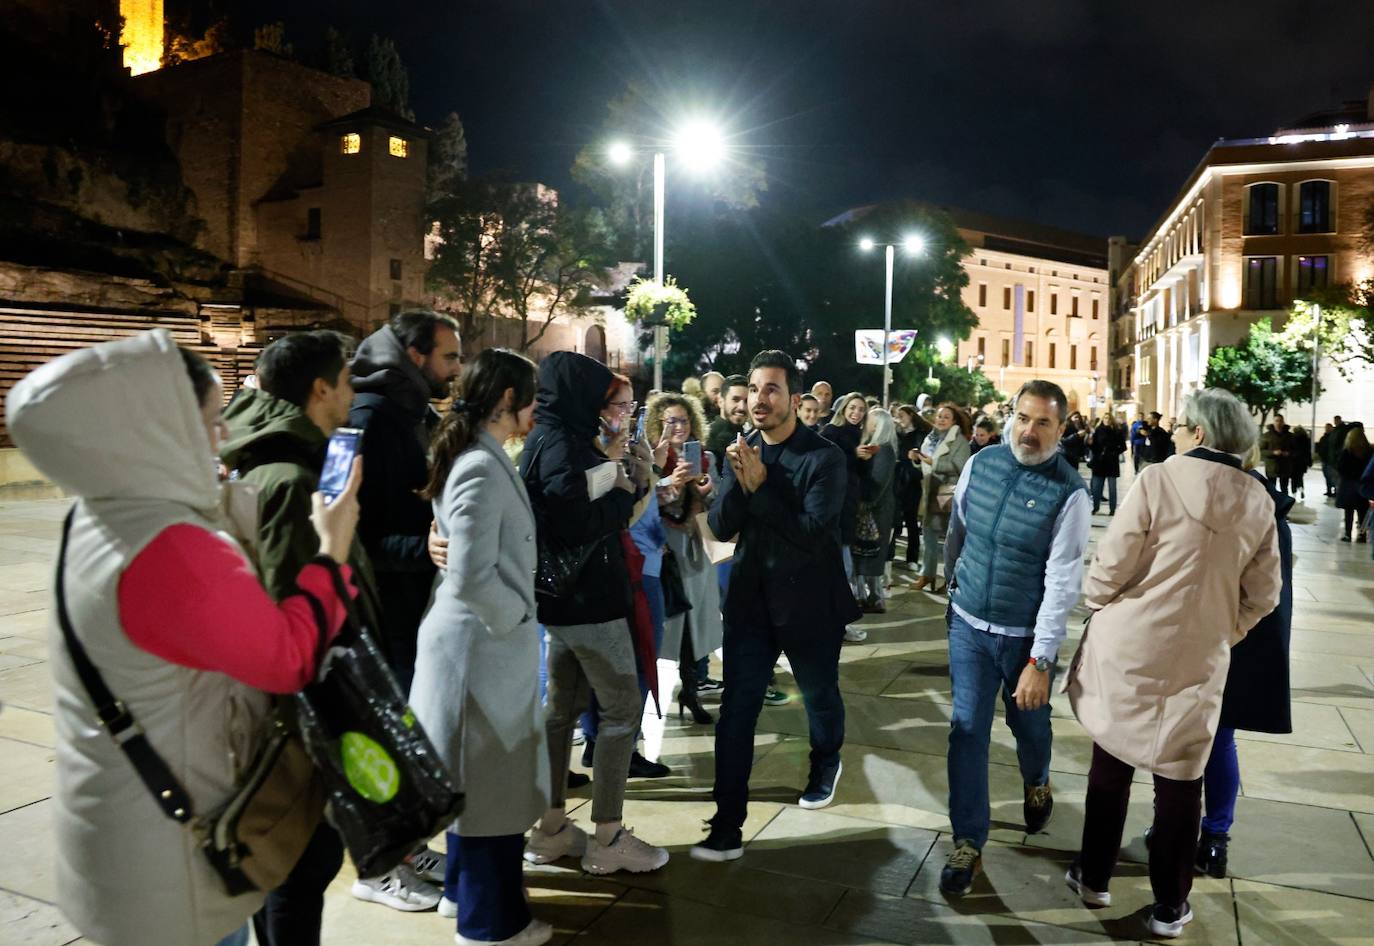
(594, 343)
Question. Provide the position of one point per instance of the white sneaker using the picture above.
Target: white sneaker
(448, 908)
(570, 841)
(855, 635)
(536, 934)
(400, 889)
(429, 864)
(1091, 898)
(626, 852)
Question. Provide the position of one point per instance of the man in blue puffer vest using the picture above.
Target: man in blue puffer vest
(1017, 532)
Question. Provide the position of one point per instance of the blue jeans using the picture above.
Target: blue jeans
(749, 655)
(237, 938)
(1097, 483)
(1221, 782)
(484, 876)
(653, 591)
(981, 663)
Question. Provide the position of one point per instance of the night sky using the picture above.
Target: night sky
(1086, 114)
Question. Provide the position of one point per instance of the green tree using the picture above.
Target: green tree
(338, 54)
(640, 117)
(389, 78)
(448, 160)
(1264, 371)
(271, 37)
(913, 377)
(514, 251)
(1345, 326)
(765, 279)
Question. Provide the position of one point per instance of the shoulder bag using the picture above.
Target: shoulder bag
(559, 565)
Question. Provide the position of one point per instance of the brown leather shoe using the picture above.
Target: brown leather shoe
(920, 583)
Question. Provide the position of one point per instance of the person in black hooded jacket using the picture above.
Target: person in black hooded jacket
(396, 372)
(583, 502)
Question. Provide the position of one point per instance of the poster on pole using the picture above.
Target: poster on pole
(868, 345)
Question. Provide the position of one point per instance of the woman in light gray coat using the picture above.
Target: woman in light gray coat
(476, 687)
(941, 458)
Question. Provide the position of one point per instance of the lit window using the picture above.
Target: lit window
(351, 143)
(398, 147)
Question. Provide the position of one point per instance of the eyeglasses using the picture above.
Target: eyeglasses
(625, 406)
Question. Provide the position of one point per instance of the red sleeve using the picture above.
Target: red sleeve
(192, 599)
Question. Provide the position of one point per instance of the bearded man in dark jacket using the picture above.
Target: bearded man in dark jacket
(396, 372)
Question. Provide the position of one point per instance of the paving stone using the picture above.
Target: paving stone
(27, 725)
(32, 922)
(1282, 916)
(28, 867)
(26, 775)
(902, 920)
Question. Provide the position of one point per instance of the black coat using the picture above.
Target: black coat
(1349, 469)
(1105, 450)
(788, 569)
(1159, 445)
(557, 454)
(1256, 696)
(847, 437)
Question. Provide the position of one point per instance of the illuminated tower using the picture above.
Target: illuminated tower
(142, 34)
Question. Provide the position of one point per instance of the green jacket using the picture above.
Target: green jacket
(274, 446)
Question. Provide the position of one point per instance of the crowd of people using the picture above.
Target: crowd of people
(526, 559)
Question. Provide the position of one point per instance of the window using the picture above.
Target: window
(1050, 363)
(1073, 307)
(982, 295)
(395, 269)
(1073, 357)
(1030, 354)
(1054, 303)
(1006, 352)
(1264, 210)
(312, 223)
(982, 347)
(1030, 300)
(1095, 302)
(1006, 297)
(1314, 207)
(397, 147)
(1261, 282)
(351, 143)
(1313, 273)
(1092, 358)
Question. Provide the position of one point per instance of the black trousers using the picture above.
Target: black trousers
(908, 514)
(291, 916)
(1173, 843)
(748, 657)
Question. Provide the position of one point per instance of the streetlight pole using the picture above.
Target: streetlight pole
(660, 331)
(891, 255)
(1316, 360)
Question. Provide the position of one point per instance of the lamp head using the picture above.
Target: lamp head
(867, 244)
(619, 153)
(699, 145)
(914, 245)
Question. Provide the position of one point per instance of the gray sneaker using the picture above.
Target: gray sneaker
(570, 841)
(626, 852)
(400, 890)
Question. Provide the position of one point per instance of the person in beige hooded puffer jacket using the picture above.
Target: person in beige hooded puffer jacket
(167, 608)
(1187, 567)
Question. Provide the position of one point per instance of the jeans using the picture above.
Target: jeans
(933, 547)
(653, 591)
(981, 663)
(585, 659)
(1173, 844)
(1221, 781)
(1097, 484)
(749, 655)
(237, 938)
(484, 876)
(291, 916)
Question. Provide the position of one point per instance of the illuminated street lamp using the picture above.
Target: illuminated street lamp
(913, 245)
(700, 145)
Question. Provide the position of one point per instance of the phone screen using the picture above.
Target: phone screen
(338, 461)
(639, 425)
(691, 455)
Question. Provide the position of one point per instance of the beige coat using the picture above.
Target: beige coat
(1188, 566)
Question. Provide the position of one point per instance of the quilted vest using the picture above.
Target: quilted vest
(1009, 515)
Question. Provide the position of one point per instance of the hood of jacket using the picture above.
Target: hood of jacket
(572, 388)
(117, 421)
(382, 366)
(266, 429)
(1283, 504)
(1212, 491)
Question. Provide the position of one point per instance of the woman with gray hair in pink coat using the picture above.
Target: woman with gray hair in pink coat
(1187, 567)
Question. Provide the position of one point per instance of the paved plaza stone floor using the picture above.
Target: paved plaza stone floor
(866, 869)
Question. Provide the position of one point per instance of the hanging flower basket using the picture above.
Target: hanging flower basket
(653, 305)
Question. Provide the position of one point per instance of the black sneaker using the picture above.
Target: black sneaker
(1037, 808)
(956, 879)
(1167, 922)
(578, 780)
(722, 844)
(1092, 899)
(820, 787)
(588, 753)
(775, 697)
(710, 685)
(641, 767)
(1211, 854)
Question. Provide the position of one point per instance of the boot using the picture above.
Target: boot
(687, 698)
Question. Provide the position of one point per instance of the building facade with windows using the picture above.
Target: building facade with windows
(1042, 300)
(1257, 226)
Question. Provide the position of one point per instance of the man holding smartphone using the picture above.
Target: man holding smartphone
(780, 497)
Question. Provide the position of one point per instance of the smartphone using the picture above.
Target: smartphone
(338, 461)
(691, 455)
(639, 425)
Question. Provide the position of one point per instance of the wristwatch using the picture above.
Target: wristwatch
(1040, 663)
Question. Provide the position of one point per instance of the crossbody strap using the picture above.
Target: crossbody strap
(114, 716)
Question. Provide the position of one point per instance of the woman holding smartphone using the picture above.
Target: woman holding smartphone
(476, 688)
(676, 423)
